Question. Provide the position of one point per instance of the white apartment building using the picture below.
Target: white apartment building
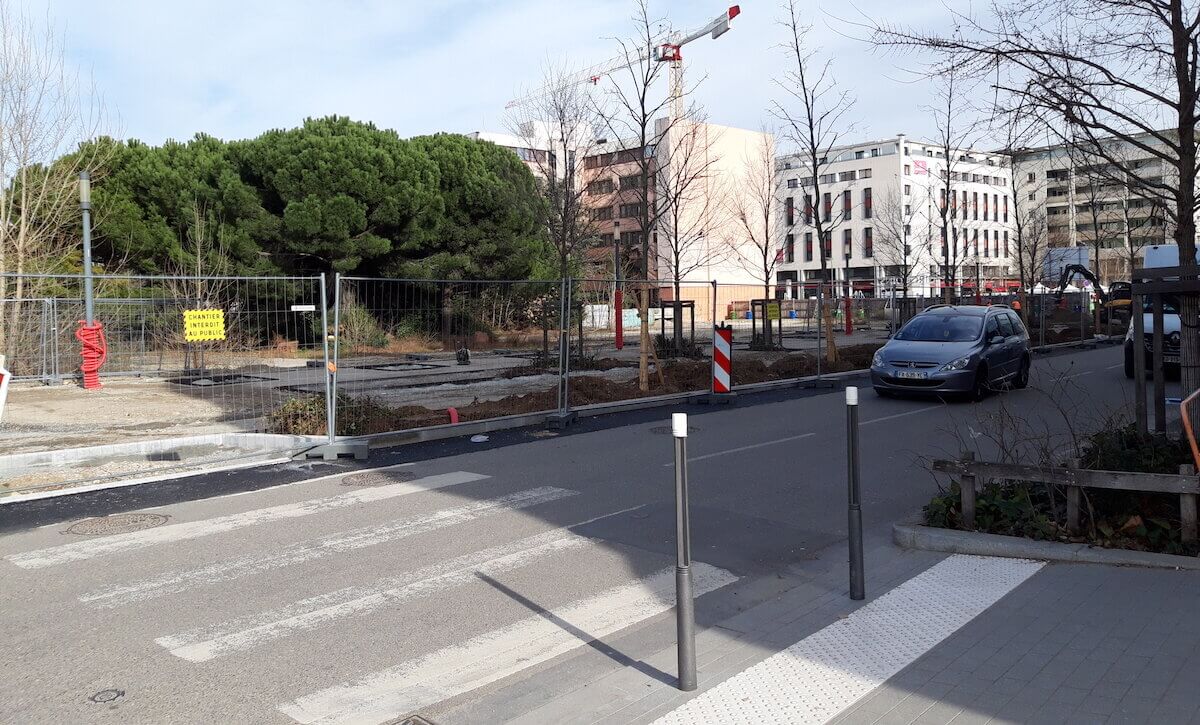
(881, 201)
(1085, 201)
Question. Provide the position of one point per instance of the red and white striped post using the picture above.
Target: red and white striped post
(722, 363)
(5, 376)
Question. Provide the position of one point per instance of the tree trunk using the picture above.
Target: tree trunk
(831, 353)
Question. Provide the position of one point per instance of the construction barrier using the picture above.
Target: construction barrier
(722, 365)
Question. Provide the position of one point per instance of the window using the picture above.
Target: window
(600, 186)
(847, 242)
(943, 199)
(906, 154)
(975, 204)
(808, 209)
(867, 203)
(603, 213)
(859, 154)
(868, 243)
(789, 211)
(1017, 326)
(908, 210)
(847, 176)
(995, 208)
(630, 240)
(631, 182)
(942, 328)
(847, 204)
(828, 178)
(827, 207)
(790, 249)
(808, 181)
(907, 167)
(986, 247)
(1006, 243)
(1005, 325)
(976, 240)
(1033, 197)
(908, 189)
(808, 246)
(985, 206)
(827, 244)
(632, 210)
(1032, 177)
(907, 231)
(793, 183)
(864, 174)
(1006, 208)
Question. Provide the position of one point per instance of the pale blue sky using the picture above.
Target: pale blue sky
(234, 69)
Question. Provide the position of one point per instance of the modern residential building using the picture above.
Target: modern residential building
(1088, 202)
(881, 201)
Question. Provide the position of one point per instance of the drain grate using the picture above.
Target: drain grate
(107, 696)
(378, 478)
(116, 524)
(665, 430)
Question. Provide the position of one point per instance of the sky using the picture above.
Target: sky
(167, 70)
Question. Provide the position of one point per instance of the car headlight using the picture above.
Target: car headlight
(877, 360)
(958, 364)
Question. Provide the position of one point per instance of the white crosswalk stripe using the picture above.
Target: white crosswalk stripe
(206, 643)
(427, 680)
(178, 581)
(91, 548)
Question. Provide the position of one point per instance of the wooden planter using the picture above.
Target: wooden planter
(969, 471)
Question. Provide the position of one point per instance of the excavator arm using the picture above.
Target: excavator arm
(1070, 271)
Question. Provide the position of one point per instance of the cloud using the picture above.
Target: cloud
(235, 69)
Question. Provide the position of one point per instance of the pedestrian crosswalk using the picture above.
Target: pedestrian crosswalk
(260, 587)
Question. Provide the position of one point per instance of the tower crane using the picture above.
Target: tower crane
(667, 48)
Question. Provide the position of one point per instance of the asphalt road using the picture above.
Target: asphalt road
(329, 593)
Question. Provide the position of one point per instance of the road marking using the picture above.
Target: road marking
(437, 676)
(92, 548)
(207, 643)
(823, 674)
(1114, 367)
(744, 448)
(901, 415)
(178, 581)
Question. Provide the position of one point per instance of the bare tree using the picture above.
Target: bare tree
(558, 126)
(1121, 73)
(900, 238)
(815, 116)
(45, 115)
(753, 204)
(640, 120)
(689, 197)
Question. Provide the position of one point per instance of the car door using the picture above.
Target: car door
(1020, 341)
(1010, 345)
(994, 354)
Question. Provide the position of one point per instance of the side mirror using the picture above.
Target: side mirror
(996, 339)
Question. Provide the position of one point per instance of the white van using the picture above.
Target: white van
(1156, 256)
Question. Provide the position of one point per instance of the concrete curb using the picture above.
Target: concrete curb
(912, 535)
(523, 420)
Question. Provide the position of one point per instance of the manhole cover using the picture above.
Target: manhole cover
(664, 430)
(378, 478)
(107, 696)
(117, 524)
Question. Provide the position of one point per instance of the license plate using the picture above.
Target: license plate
(911, 375)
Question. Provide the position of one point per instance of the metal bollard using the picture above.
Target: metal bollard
(857, 576)
(684, 604)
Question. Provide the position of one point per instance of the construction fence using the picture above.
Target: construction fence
(203, 371)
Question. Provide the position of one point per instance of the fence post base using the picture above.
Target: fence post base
(815, 384)
(560, 419)
(333, 451)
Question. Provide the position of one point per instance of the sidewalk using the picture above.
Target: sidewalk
(938, 640)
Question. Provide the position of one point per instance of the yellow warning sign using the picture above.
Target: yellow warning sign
(773, 311)
(201, 325)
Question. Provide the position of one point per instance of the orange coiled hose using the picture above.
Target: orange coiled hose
(94, 352)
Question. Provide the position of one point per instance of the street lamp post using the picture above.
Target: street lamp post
(85, 204)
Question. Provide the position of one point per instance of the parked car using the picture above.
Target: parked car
(1155, 256)
(966, 349)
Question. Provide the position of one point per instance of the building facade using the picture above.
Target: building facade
(881, 204)
(1089, 202)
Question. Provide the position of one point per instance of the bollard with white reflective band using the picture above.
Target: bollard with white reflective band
(857, 576)
(685, 623)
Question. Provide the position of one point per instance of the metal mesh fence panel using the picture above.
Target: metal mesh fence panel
(259, 368)
(416, 353)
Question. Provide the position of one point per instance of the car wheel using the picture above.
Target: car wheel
(1022, 379)
(1129, 372)
(980, 390)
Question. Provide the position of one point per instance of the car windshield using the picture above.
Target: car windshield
(941, 328)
